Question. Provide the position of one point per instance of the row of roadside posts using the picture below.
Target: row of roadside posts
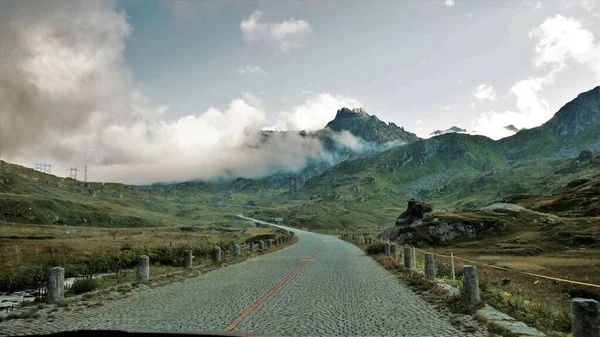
(585, 313)
(55, 290)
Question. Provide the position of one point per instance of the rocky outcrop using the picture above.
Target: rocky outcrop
(438, 231)
(415, 211)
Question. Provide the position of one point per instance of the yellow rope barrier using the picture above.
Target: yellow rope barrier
(516, 271)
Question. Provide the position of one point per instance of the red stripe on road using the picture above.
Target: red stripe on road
(255, 305)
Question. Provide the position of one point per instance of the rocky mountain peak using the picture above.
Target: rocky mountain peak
(351, 113)
(368, 127)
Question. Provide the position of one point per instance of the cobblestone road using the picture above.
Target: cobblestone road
(339, 292)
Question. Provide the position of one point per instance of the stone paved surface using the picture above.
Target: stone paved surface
(341, 292)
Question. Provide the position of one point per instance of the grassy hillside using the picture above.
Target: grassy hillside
(31, 197)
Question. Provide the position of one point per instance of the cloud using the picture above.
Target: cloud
(562, 40)
(251, 69)
(449, 107)
(314, 113)
(419, 122)
(68, 98)
(485, 91)
(285, 35)
(449, 3)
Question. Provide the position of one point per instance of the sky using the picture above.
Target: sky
(145, 91)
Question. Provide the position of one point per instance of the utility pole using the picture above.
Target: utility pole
(72, 173)
(85, 171)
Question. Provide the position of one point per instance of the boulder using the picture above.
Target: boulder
(585, 155)
(415, 211)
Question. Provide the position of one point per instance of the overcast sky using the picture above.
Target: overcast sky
(120, 84)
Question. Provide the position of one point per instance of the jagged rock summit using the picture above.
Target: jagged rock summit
(370, 128)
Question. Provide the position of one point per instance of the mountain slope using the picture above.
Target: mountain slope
(575, 127)
(453, 170)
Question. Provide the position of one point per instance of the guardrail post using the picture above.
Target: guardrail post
(261, 245)
(394, 251)
(216, 255)
(56, 285)
(187, 259)
(143, 269)
(429, 266)
(362, 240)
(251, 248)
(236, 250)
(408, 260)
(471, 283)
(585, 317)
(387, 248)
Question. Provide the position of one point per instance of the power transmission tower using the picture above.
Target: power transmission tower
(85, 171)
(73, 173)
(47, 168)
(39, 167)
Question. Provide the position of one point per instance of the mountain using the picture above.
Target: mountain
(451, 170)
(511, 128)
(453, 129)
(370, 128)
(350, 135)
(575, 127)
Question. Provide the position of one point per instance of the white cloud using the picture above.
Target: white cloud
(449, 3)
(314, 113)
(419, 122)
(449, 107)
(562, 40)
(68, 98)
(285, 35)
(533, 110)
(485, 91)
(251, 69)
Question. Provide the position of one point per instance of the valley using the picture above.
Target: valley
(529, 202)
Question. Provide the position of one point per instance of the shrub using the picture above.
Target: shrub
(84, 285)
(461, 304)
(375, 249)
(484, 285)
(443, 270)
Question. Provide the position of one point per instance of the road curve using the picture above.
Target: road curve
(320, 286)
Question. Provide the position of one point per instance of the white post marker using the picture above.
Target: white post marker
(452, 264)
